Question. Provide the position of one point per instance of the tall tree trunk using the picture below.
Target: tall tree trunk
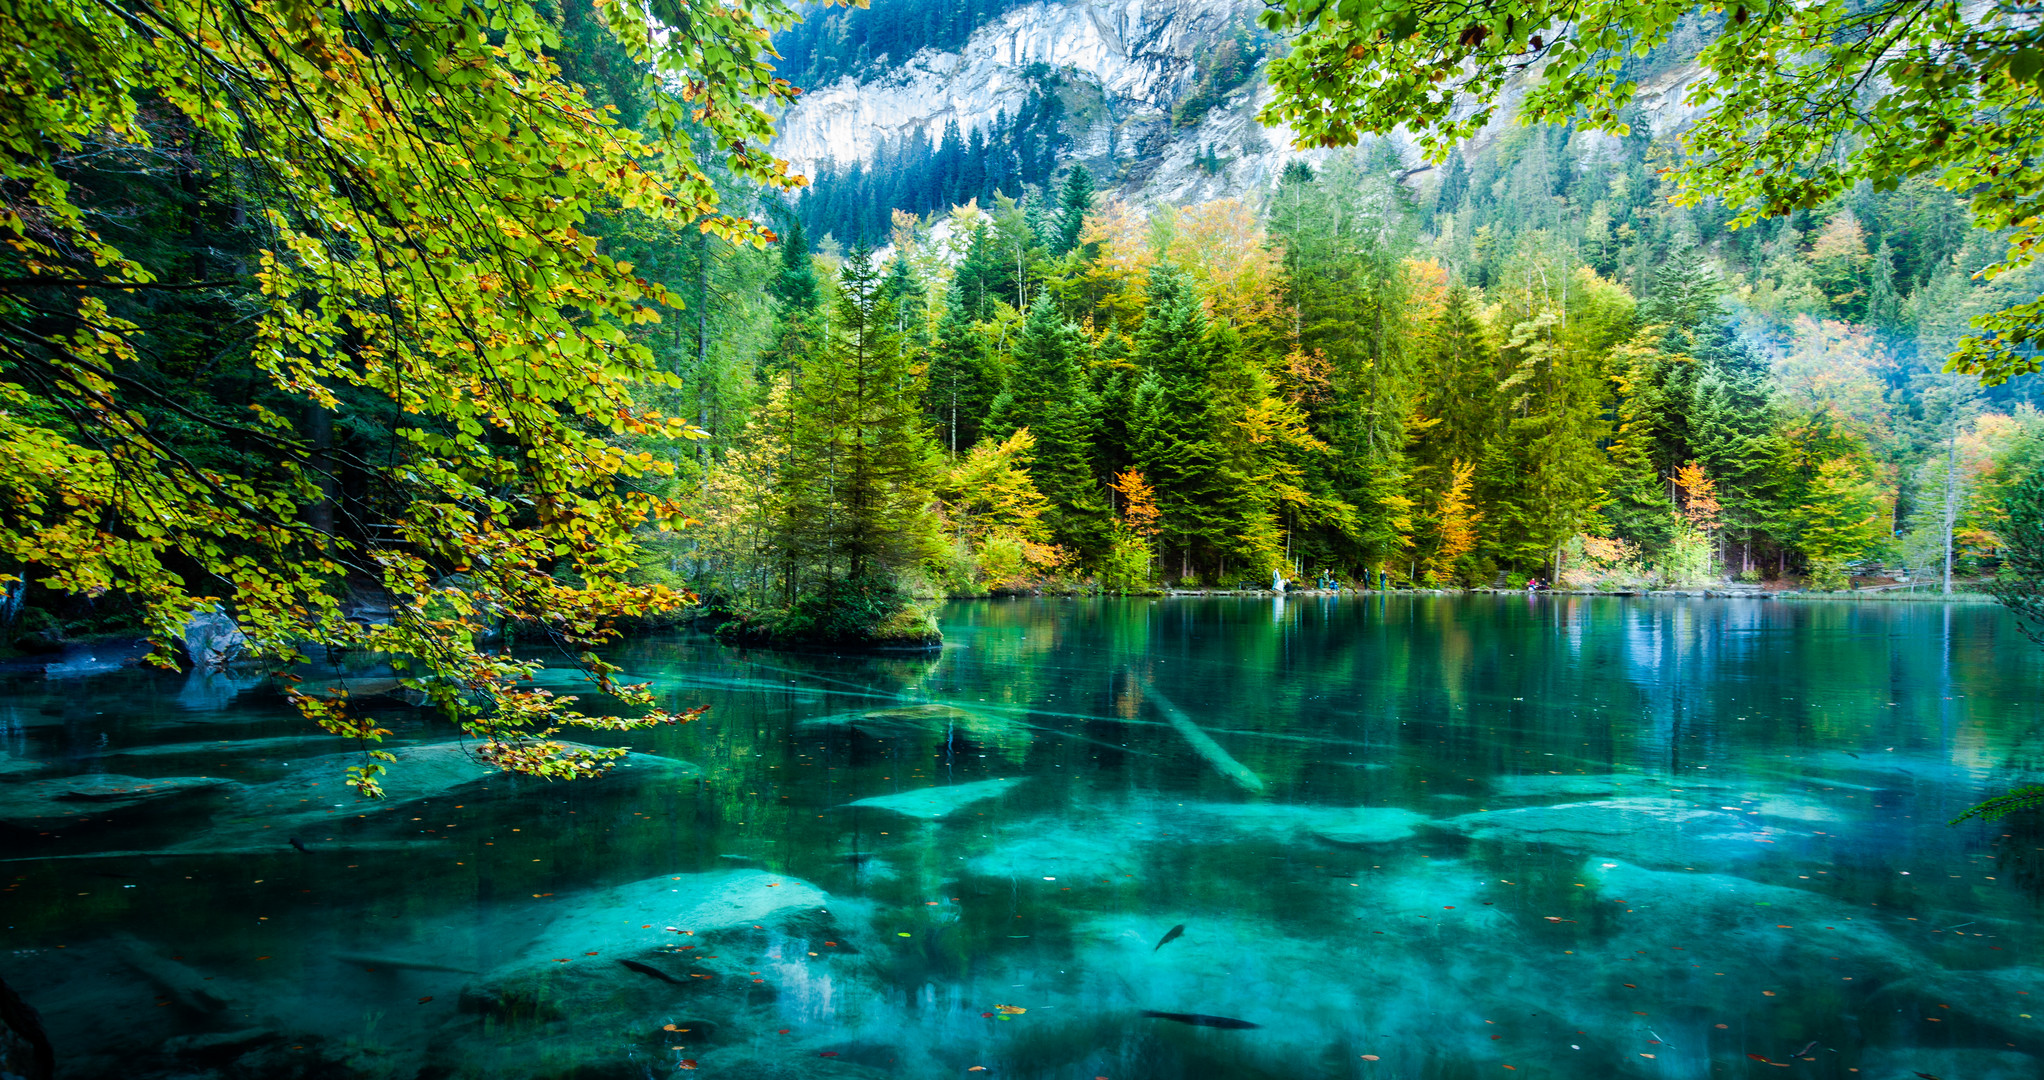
(1951, 517)
(703, 344)
(319, 430)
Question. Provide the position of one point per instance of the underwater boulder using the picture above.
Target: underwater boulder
(1578, 786)
(1643, 829)
(62, 801)
(1003, 735)
(317, 792)
(1954, 1064)
(1997, 1007)
(935, 803)
(1050, 848)
(674, 965)
(1335, 824)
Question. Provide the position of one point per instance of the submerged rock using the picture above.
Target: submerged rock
(68, 800)
(1335, 824)
(244, 749)
(1051, 848)
(209, 691)
(1001, 734)
(318, 791)
(691, 961)
(1641, 828)
(1954, 1064)
(933, 803)
(1968, 1006)
(1588, 784)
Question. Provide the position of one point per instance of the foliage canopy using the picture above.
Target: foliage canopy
(423, 181)
(1798, 103)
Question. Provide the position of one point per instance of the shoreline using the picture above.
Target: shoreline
(1875, 596)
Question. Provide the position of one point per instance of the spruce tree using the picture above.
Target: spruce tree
(1047, 394)
(795, 285)
(960, 386)
(1171, 431)
(861, 462)
(1074, 203)
(976, 281)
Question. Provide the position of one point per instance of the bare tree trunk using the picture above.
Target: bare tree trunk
(319, 431)
(1951, 497)
(703, 343)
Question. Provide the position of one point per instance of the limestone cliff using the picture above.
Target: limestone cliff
(1120, 67)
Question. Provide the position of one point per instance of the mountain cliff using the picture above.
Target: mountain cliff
(1158, 98)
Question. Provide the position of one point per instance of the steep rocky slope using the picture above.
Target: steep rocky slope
(1124, 70)
(1119, 66)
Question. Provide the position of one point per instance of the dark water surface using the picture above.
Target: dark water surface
(1405, 837)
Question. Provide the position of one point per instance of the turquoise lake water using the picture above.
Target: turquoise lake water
(1438, 837)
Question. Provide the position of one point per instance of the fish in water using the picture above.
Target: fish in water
(300, 845)
(1171, 935)
(1201, 1020)
(648, 969)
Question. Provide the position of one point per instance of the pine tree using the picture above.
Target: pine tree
(1171, 432)
(861, 463)
(1559, 323)
(1454, 184)
(795, 285)
(960, 386)
(976, 281)
(1047, 394)
(1074, 203)
(1884, 305)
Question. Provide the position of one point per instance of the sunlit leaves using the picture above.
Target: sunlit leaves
(427, 180)
(1796, 103)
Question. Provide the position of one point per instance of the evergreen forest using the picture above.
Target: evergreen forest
(964, 367)
(1526, 364)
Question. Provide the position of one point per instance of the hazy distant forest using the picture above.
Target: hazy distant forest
(1525, 363)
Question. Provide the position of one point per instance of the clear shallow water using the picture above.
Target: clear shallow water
(1564, 836)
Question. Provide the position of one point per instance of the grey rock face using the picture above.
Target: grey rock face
(212, 639)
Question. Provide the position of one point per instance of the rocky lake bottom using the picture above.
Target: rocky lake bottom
(1431, 837)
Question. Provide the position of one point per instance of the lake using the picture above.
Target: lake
(1356, 836)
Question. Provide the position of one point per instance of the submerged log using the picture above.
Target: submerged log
(1204, 744)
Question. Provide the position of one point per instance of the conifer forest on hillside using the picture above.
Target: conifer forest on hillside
(962, 366)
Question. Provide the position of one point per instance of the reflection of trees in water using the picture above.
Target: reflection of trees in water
(2019, 849)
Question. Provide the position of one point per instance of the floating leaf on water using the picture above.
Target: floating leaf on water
(1371, 1057)
(1012, 1010)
